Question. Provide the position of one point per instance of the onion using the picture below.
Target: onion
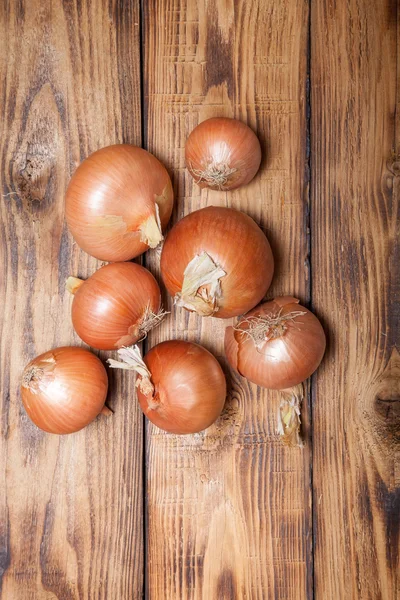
(181, 386)
(278, 345)
(118, 201)
(64, 389)
(222, 154)
(217, 261)
(117, 306)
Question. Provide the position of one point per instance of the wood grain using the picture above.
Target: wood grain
(229, 510)
(71, 507)
(355, 247)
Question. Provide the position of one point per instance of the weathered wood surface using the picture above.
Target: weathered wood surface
(229, 510)
(71, 507)
(356, 278)
(230, 514)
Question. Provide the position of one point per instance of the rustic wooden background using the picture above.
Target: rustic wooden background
(120, 510)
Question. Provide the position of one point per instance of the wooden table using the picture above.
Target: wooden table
(121, 510)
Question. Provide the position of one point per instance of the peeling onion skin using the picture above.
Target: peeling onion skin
(222, 154)
(284, 361)
(235, 242)
(189, 387)
(110, 195)
(108, 307)
(64, 389)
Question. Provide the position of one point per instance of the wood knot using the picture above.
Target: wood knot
(393, 165)
(386, 401)
(387, 408)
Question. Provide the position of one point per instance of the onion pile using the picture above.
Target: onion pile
(118, 201)
(181, 386)
(64, 389)
(222, 154)
(117, 306)
(278, 345)
(217, 261)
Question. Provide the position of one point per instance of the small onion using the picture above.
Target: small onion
(278, 345)
(64, 389)
(117, 306)
(217, 261)
(181, 386)
(222, 154)
(118, 201)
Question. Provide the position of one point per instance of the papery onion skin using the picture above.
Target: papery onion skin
(64, 389)
(189, 387)
(222, 154)
(285, 360)
(235, 242)
(111, 195)
(109, 307)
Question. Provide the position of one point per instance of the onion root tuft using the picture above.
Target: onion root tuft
(262, 329)
(215, 175)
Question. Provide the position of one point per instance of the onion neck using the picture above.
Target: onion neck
(150, 229)
(132, 361)
(289, 420)
(201, 288)
(73, 284)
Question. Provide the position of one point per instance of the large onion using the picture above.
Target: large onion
(117, 306)
(118, 201)
(181, 386)
(217, 261)
(64, 389)
(222, 154)
(278, 345)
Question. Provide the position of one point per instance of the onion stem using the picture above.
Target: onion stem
(201, 288)
(73, 284)
(150, 229)
(132, 361)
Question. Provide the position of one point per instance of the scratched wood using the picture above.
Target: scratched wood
(70, 507)
(355, 266)
(229, 510)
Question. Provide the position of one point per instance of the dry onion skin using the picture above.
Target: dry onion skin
(278, 345)
(117, 306)
(217, 262)
(64, 389)
(222, 154)
(180, 385)
(118, 202)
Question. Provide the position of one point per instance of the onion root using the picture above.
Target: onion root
(33, 376)
(263, 329)
(150, 320)
(215, 175)
(289, 421)
(201, 288)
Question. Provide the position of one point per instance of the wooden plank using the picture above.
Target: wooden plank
(229, 510)
(71, 514)
(355, 266)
